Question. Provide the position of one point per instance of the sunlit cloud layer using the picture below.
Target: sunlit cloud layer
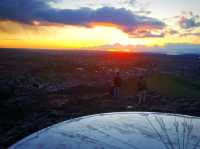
(37, 11)
(95, 24)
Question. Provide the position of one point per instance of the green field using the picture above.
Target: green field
(166, 85)
(174, 86)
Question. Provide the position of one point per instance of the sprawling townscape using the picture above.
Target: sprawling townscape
(41, 87)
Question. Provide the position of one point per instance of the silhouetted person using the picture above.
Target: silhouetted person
(142, 89)
(117, 82)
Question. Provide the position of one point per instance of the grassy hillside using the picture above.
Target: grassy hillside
(174, 86)
(167, 85)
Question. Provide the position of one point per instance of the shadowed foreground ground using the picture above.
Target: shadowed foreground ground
(20, 119)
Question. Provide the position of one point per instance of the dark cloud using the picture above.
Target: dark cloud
(191, 34)
(21, 10)
(172, 32)
(189, 21)
(132, 2)
(147, 35)
(27, 11)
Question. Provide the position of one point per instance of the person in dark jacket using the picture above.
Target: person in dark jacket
(142, 89)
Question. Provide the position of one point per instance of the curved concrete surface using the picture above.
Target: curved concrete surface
(126, 130)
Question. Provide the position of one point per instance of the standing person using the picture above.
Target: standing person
(142, 89)
(117, 82)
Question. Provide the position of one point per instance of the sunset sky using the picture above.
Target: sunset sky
(123, 25)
